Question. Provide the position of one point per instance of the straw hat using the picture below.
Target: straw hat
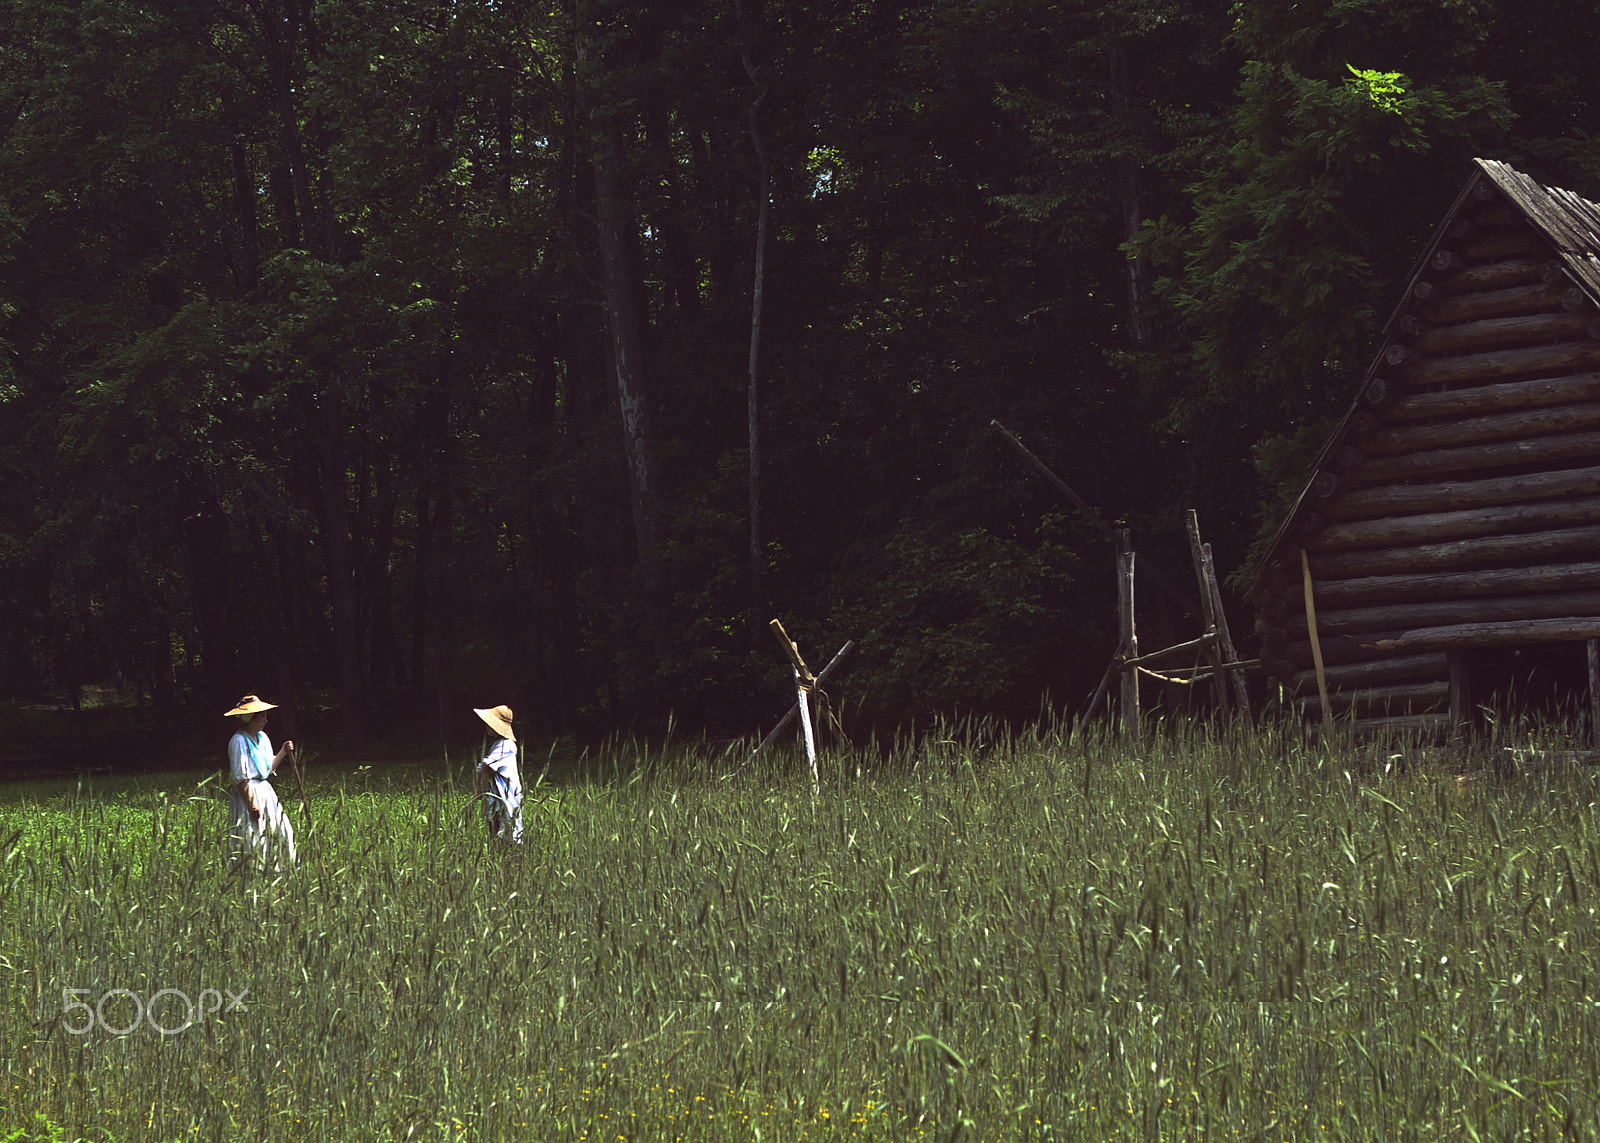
(251, 705)
(499, 720)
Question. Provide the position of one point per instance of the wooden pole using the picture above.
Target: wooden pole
(794, 711)
(1460, 693)
(1566, 355)
(1451, 555)
(1207, 606)
(1455, 495)
(1316, 646)
(805, 722)
(1240, 693)
(1359, 468)
(1454, 585)
(1095, 518)
(804, 680)
(1488, 427)
(1130, 641)
(1105, 685)
(1593, 646)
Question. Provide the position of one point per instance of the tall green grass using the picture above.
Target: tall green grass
(1231, 935)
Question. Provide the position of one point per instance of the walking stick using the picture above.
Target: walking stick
(305, 804)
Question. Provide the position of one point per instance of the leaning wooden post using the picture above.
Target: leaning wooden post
(1130, 640)
(804, 680)
(1207, 609)
(1594, 692)
(1241, 693)
(1316, 646)
(822, 677)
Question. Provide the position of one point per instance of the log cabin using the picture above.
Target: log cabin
(1453, 517)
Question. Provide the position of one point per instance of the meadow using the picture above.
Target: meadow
(1232, 935)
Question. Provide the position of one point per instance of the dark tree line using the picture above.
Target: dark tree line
(411, 353)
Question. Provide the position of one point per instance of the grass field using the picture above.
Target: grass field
(1228, 937)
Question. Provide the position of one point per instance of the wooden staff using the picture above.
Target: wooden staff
(822, 677)
(1316, 646)
(804, 681)
(305, 804)
(1078, 502)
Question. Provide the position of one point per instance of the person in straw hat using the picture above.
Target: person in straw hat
(258, 824)
(497, 776)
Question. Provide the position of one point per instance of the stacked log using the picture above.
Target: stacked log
(1461, 506)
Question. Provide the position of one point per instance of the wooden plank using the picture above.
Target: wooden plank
(1455, 495)
(1517, 425)
(1478, 551)
(1191, 523)
(1406, 698)
(1453, 585)
(1130, 640)
(1501, 363)
(1593, 648)
(1375, 671)
(1241, 692)
(1546, 452)
(1460, 687)
(1536, 298)
(1316, 646)
(1392, 616)
(1522, 329)
(1429, 527)
(1566, 630)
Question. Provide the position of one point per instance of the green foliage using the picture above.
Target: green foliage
(305, 373)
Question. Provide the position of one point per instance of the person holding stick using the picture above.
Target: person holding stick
(497, 780)
(256, 816)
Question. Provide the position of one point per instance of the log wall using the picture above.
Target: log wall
(1460, 506)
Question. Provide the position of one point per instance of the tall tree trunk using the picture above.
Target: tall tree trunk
(244, 195)
(442, 577)
(421, 561)
(755, 553)
(623, 295)
(1130, 190)
(206, 534)
(383, 668)
(340, 555)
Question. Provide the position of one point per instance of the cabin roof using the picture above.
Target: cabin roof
(1568, 221)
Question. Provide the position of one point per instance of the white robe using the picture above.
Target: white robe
(268, 842)
(502, 807)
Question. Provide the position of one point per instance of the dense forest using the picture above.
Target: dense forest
(417, 355)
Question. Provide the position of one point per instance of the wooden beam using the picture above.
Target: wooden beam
(1455, 495)
(1547, 452)
(1506, 331)
(1191, 522)
(1095, 518)
(1460, 687)
(1429, 527)
(1501, 363)
(1372, 672)
(1130, 640)
(1388, 617)
(1506, 395)
(1479, 551)
(1498, 245)
(1517, 425)
(1446, 309)
(1498, 275)
(1406, 698)
(1454, 585)
(1316, 646)
(1567, 630)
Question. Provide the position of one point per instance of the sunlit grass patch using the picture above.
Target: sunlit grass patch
(1230, 936)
